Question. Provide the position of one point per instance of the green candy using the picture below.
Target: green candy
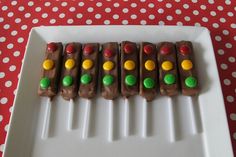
(67, 81)
(191, 82)
(44, 83)
(107, 80)
(148, 83)
(130, 80)
(169, 79)
(85, 79)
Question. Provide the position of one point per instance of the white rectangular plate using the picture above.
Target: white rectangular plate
(180, 126)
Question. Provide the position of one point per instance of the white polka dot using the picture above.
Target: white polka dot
(203, 7)
(13, 2)
(44, 15)
(38, 9)
(6, 26)
(179, 23)
(115, 16)
(133, 5)
(178, 11)
(225, 32)
(159, 0)
(151, 17)
(70, 21)
(6, 128)
(2, 146)
(90, 9)
(89, 22)
(72, 9)
(235, 38)
(211, 1)
(35, 21)
(12, 68)
(169, 18)
(233, 116)
(98, 4)
(1, 118)
(16, 53)
(194, 1)
(143, 10)
(233, 25)
(222, 20)
(228, 45)
(8, 84)
(220, 8)
(6, 60)
(116, 5)
(125, 10)
(107, 22)
(197, 24)
(55, 9)
(31, 3)
(230, 98)
(27, 15)
(2, 74)
(143, 22)
(221, 52)
(79, 15)
(17, 20)
(21, 8)
(151, 5)
(4, 8)
(52, 21)
(218, 38)
(10, 14)
(1, 19)
(215, 25)
(234, 74)
(47, 4)
(62, 15)
(98, 16)
(133, 16)
(20, 40)
(64, 4)
(81, 4)
(10, 46)
(213, 13)
(11, 108)
(186, 6)
(160, 11)
(228, 2)
(227, 82)
(13, 33)
(108, 10)
(2, 39)
(3, 100)
(205, 19)
(231, 59)
(187, 18)
(168, 5)
(161, 23)
(224, 66)
(125, 22)
(230, 14)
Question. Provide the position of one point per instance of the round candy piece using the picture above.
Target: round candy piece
(128, 48)
(184, 50)
(44, 83)
(129, 65)
(87, 64)
(165, 50)
(67, 81)
(69, 64)
(108, 65)
(169, 79)
(149, 65)
(85, 79)
(191, 82)
(167, 65)
(108, 53)
(88, 49)
(51, 47)
(107, 80)
(148, 49)
(70, 48)
(130, 80)
(187, 64)
(148, 83)
(48, 64)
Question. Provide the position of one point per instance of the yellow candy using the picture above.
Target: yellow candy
(87, 64)
(69, 64)
(108, 65)
(129, 65)
(167, 65)
(187, 64)
(149, 65)
(48, 64)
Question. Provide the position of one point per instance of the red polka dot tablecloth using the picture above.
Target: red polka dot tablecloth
(17, 18)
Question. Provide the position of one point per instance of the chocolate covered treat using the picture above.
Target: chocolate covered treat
(89, 70)
(70, 71)
(129, 69)
(187, 68)
(109, 70)
(168, 74)
(148, 71)
(51, 70)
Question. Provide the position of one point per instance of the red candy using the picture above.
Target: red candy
(128, 48)
(148, 49)
(51, 47)
(165, 50)
(184, 49)
(70, 48)
(108, 53)
(88, 49)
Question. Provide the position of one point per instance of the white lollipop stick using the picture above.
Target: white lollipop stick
(171, 120)
(126, 118)
(70, 115)
(47, 117)
(85, 129)
(110, 120)
(144, 119)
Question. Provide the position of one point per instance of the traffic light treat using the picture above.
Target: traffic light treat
(109, 70)
(70, 70)
(51, 66)
(168, 74)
